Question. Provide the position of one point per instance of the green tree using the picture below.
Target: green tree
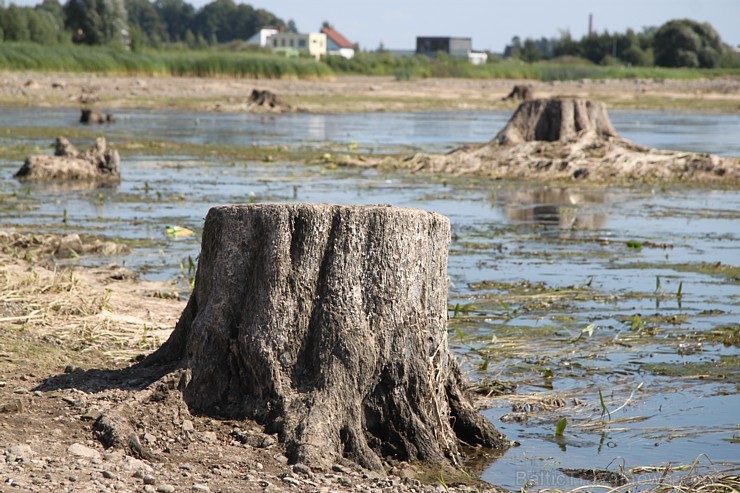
(567, 46)
(15, 24)
(177, 16)
(144, 18)
(43, 27)
(55, 9)
(687, 43)
(96, 22)
(264, 18)
(530, 51)
(214, 21)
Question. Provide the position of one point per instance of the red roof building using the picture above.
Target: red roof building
(337, 44)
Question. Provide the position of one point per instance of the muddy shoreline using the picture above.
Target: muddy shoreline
(353, 93)
(63, 324)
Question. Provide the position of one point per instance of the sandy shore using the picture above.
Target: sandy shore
(352, 93)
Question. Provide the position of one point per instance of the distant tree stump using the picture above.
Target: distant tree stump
(556, 119)
(263, 98)
(328, 324)
(88, 115)
(520, 92)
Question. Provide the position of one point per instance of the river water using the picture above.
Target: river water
(516, 246)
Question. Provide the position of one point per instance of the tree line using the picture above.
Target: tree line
(134, 22)
(157, 23)
(677, 43)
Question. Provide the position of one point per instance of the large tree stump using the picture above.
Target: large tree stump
(556, 119)
(328, 324)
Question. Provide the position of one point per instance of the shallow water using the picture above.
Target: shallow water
(515, 248)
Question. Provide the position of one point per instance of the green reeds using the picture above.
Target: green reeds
(197, 63)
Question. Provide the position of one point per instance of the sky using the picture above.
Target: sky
(490, 23)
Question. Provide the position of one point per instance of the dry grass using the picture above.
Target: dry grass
(102, 310)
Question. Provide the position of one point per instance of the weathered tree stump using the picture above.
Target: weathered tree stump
(328, 324)
(88, 115)
(520, 92)
(98, 164)
(264, 98)
(565, 138)
(556, 119)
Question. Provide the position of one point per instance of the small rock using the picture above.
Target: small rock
(165, 488)
(108, 475)
(14, 406)
(19, 453)
(187, 426)
(208, 437)
(92, 414)
(149, 489)
(267, 441)
(302, 469)
(136, 465)
(291, 481)
(201, 488)
(281, 458)
(79, 450)
(149, 479)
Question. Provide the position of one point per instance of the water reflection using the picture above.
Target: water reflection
(562, 207)
(57, 187)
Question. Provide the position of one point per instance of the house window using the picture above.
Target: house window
(282, 42)
(291, 43)
(302, 43)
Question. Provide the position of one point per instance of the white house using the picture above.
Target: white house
(477, 57)
(314, 44)
(262, 36)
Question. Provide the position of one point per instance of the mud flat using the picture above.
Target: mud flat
(354, 93)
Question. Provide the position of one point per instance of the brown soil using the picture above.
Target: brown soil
(352, 93)
(68, 340)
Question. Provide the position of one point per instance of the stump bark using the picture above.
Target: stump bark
(556, 119)
(328, 324)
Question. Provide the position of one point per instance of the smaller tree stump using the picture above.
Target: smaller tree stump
(264, 98)
(556, 119)
(89, 115)
(98, 164)
(328, 324)
(520, 92)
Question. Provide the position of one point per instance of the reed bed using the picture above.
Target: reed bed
(198, 63)
(259, 65)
